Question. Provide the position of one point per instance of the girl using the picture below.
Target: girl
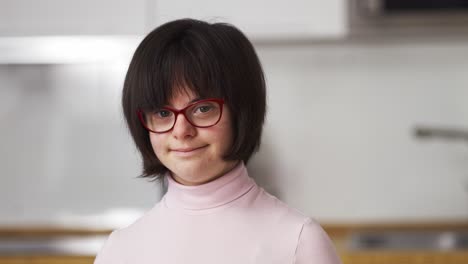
(194, 101)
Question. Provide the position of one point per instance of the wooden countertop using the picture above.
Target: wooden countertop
(338, 232)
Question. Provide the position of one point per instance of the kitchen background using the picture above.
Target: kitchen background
(346, 97)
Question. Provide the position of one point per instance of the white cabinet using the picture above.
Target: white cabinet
(259, 19)
(264, 19)
(72, 17)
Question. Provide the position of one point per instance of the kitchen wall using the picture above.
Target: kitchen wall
(66, 158)
(338, 142)
(339, 139)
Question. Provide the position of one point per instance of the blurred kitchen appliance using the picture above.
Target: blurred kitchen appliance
(388, 18)
(389, 7)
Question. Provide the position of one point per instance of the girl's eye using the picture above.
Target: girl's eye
(204, 108)
(163, 113)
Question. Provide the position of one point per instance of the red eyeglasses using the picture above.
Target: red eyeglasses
(202, 114)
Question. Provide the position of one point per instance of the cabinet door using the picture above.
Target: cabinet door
(264, 19)
(72, 17)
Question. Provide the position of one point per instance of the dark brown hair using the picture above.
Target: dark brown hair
(213, 60)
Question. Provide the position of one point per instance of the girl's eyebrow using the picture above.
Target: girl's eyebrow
(191, 101)
(194, 100)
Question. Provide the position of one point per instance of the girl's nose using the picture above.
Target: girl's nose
(182, 128)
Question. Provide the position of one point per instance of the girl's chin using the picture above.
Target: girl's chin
(194, 176)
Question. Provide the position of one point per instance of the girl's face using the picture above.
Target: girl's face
(194, 155)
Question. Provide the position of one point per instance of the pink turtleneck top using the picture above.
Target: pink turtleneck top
(230, 220)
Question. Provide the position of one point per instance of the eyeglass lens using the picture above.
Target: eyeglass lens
(203, 114)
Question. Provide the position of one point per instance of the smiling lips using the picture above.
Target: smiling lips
(186, 150)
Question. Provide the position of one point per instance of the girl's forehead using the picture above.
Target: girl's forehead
(177, 95)
(182, 98)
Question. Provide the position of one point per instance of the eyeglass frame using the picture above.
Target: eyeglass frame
(182, 111)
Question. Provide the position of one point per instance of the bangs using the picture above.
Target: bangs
(179, 68)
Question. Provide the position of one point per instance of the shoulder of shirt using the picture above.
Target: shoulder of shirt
(296, 231)
(311, 242)
(314, 244)
(139, 226)
(281, 209)
(114, 249)
(288, 214)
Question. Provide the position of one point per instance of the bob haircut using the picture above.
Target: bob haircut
(212, 60)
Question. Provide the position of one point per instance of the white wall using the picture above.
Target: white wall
(337, 144)
(65, 155)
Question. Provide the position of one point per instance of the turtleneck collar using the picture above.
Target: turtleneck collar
(216, 193)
